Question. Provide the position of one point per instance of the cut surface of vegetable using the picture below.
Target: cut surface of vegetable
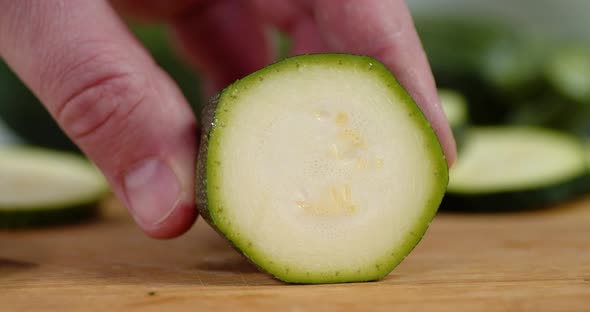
(511, 168)
(43, 187)
(320, 169)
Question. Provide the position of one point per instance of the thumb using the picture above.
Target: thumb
(112, 100)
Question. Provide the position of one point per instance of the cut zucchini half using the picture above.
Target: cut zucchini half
(320, 169)
(40, 187)
(455, 108)
(515, 168)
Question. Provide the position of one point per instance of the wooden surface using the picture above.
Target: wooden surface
(536, 261)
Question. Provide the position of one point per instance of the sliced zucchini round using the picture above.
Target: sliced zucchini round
(320, 169)
(455, 107)
(44, 187)
(569, 72)
(514, 168)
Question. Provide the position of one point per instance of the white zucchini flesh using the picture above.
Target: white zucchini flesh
(322, 169)
(454, 106)
(510, 159)
(37, 179)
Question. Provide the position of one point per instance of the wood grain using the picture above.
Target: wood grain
(534, 261)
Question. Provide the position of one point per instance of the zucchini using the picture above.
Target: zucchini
(40, 187)
(455, 108)
(320, 169)
(569, 72)
(516, 168)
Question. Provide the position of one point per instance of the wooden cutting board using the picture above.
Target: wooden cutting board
(534, 261)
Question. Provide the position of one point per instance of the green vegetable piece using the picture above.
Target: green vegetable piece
(320, 169)
(40, 187)
(514, 168)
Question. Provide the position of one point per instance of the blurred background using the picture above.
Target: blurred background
(568, 18)
(524, 62)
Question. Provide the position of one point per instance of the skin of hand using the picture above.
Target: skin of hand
(126, 114)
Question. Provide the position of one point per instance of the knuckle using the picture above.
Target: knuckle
(101, 108)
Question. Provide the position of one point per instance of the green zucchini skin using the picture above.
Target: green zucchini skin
(201, 198)
(510, 201)
(22, 219)
(207, 122)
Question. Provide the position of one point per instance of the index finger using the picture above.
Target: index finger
(109, 96)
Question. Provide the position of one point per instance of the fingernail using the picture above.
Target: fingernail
(152, 192)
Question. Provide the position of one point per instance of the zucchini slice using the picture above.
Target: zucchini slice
(455, 107)
(569, 72)
(40, 187)
(515, 168)
(320, 169)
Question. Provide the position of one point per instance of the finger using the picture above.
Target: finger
(384, 29)
(225, 40)
(304, 36)
(112, 100)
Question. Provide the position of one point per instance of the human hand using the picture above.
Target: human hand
(127, 115)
